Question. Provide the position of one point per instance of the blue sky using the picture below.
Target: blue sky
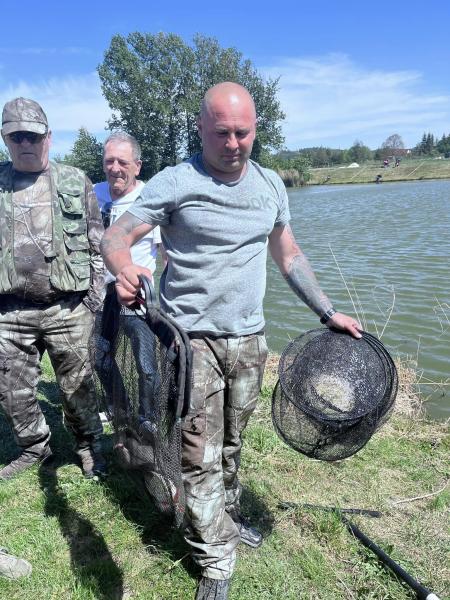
(349, 70)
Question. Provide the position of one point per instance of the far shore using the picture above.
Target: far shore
(408, 170)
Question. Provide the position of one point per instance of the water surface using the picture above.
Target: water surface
(391, 243)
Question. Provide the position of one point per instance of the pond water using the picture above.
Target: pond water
(390, 243)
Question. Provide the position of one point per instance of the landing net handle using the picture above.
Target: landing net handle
(147, 300)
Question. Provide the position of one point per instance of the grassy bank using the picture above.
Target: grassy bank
(408, 170)
(104, 541)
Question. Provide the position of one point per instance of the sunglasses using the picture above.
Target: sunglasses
(106, 215)
(34, 138)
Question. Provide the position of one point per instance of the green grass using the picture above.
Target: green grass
(409, 170)
(90, 540)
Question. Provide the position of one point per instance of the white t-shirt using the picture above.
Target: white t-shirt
(144, 252)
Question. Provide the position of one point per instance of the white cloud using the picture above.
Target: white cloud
(331, 101)
(328, 101)
(69, 103)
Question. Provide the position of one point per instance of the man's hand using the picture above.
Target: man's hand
(346, 323)
(127, 283)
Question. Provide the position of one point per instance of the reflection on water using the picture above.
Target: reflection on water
(391, 243)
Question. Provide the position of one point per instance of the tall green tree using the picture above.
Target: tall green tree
(429, 143)
(87, 155)
(154, 84)
(426, 147)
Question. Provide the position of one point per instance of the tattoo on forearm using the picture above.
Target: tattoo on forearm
(302, 280)
(127, 222)
(115, 236)
(110, 244)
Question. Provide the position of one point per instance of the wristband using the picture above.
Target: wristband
(327, 316)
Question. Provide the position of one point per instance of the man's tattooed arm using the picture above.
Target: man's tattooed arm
(296, 269)
(118, 239)
(302, 280)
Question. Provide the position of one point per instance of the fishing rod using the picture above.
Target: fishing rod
(421, 591)
(352, 511)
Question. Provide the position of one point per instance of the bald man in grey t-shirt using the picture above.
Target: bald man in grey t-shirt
(218, 213)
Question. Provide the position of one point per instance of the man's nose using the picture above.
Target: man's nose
(232, 142)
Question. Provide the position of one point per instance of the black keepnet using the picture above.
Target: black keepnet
(333, 393)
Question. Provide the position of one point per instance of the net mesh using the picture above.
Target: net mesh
(333, 393)
(143, 371)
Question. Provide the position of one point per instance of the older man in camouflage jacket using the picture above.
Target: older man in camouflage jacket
(51, 281)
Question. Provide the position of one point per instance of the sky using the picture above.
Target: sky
(347, 71)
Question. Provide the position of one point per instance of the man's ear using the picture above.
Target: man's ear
(199, 125)
(138, 167)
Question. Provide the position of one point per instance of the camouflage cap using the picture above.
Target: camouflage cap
(22, 114)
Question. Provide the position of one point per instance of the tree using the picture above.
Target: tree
(293, 167)
(154, 85)
(302, 165)
(426, 146)
(87, 155)
(4, 154)
(418, 149)
(358, 152)
(429, 143)
(443, 146)
(392, 146)
(317, 156)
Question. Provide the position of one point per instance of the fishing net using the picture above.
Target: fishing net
(333, 393)
(143, 366)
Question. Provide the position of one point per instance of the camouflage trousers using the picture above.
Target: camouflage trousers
(227, 377)
(63, 329)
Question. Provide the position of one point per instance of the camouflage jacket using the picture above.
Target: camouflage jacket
(77, 230)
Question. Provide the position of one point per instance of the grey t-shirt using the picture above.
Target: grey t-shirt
(215, 235)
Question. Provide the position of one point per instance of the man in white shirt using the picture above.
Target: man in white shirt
(122, 164)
